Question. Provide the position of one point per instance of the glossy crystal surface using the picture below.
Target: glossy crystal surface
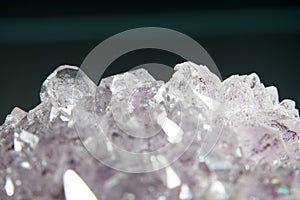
(228, 139)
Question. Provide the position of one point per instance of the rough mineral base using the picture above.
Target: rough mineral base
(137, 138)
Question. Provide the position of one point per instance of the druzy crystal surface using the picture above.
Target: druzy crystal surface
(193, 137)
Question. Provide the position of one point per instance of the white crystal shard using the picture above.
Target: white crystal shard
(217, 192)
(9, 187)
(26, 165)
(68, 109)
(172, 130)
(25, 137)
(173, 180)
(75, 188)
(54, 113)
(17, 144)
(185, 193)
(159, 95)
(29, 138)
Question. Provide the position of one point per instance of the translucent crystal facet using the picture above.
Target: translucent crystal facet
(193, 137)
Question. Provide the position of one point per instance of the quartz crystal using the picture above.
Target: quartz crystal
(193, 137)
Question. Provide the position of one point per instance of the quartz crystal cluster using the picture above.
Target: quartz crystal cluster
(193, 137)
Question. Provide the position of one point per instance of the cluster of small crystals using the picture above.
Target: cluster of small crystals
(255, 138)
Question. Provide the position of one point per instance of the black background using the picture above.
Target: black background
(242, 37)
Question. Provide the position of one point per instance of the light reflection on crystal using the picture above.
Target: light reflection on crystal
(171, 129)
(217, 191)
(185, 193)
(26, 165)
(75, 188)
(173, 180)
(17, 144)
(54, 113)
(9, 187)
(256, 156)
(29, 138)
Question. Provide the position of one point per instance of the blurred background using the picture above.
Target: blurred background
(241, 37)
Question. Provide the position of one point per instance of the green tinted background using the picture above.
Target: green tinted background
(241, 38)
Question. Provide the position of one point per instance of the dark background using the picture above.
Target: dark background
(242, 37)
